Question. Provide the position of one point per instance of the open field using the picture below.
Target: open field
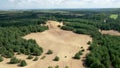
(63, 43)
(114, 16)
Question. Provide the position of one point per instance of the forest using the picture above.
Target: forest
(104, 48)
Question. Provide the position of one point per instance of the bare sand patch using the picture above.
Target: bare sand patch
(110, 32)
(62, 43)
(4, 64)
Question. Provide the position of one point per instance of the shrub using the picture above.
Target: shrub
(80, 52)
(13, 60)
(50, 67)
(56, 58)
(83, 50)
(59, 25)
(35, 59)
(49, 52)
(57, 66)
(89, 43)
(81, 47)
(43, 57)
(9, 54)
(30, 57)
(66, 67)
(1, 59)
(37, 51)
(77, 56)
(23, 63)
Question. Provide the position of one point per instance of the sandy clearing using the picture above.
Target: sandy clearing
(110, 32)
(63, 43)
(5, 64)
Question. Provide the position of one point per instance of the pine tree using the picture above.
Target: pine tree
(49, 52)
(23, 63)
(13, 60)
(56, 58)
(35, 59)
(30, 57)
(77, 56)
(1, 59)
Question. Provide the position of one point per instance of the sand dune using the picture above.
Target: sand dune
(63, 43)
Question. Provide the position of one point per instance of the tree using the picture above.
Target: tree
(80, 52)
(77, 56)
(97, 65)
(37, 52)
(49, 52)
(35, 59)
(56, 58)
(23, 63)
(30, 57)
(9, 54)
(1, 59)
(13, 60)
(57, 66)
(88, 42)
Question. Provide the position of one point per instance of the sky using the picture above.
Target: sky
(58, 4)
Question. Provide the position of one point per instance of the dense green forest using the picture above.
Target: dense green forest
(13, 28)
(104, 48)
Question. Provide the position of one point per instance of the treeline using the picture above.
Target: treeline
(104, 48)
(21, 22)
(100, 24)
(81, 28)
(104, 52)
(11, 41)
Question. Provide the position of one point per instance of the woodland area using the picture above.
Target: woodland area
(104, 48)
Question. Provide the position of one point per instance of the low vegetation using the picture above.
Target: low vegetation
(57, 66)
(66, 67)
(114, 16)
(49, 52)
(50, 67)
(77, 55)
(56, 58)
(23, 63)
(14, 60)
(43, 57)
(30, 57)
(35, 59)
(1, 59)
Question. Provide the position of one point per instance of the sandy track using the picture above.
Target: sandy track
(63, 43)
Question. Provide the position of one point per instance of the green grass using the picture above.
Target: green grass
(114, 16)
